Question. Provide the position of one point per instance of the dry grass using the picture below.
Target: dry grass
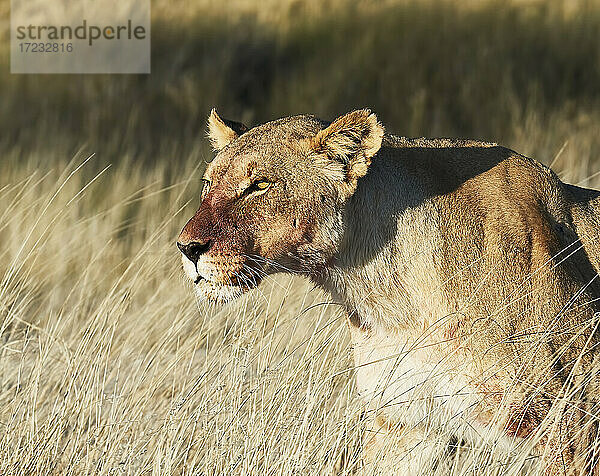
(107, 366)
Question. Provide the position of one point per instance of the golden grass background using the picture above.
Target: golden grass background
(107, 365)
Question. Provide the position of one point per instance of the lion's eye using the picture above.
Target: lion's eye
(262, 185)
(258, 186)
(205, 189)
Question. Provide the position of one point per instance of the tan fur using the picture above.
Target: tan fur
(468, 271)
(351, 140)
(222, 132)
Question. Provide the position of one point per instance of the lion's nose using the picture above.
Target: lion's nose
(194, 249)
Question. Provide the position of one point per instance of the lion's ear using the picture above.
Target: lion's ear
(352, 140)
(221, 131)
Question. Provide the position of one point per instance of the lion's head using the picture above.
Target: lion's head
(273, 199)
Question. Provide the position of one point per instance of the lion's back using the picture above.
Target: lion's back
(519, 262)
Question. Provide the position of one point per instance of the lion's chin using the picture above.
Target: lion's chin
(219, 293)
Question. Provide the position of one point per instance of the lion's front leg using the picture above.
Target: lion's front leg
(394, 441)
(399, 449)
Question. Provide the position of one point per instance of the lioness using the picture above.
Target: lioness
(468, 272)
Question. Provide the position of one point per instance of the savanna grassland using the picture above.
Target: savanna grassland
(107, 365)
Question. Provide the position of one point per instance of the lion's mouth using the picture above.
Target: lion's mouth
(236, 280)
(222, 281)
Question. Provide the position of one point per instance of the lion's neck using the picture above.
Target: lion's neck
(384, 271)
